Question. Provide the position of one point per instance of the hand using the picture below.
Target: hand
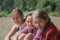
(29, 36)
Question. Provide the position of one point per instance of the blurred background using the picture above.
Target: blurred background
(6, 6)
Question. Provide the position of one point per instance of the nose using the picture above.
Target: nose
(15, 20)
(30, 23)
(38, 25)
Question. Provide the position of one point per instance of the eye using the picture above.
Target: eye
(13, 18)
(17, 17)
(34, 22)
(40, 21)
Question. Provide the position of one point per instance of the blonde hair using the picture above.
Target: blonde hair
(17, 10)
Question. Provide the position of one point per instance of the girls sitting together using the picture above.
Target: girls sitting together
(37, 25)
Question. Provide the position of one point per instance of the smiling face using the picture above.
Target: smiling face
(29, 21)
(17, 18)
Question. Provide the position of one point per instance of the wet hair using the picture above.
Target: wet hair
(17, 10)
(43, 15)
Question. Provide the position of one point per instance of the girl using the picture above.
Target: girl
(29, 29)
(42, 21)
(18, 17)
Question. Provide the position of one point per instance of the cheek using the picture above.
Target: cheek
(42, 25)
(29, 24)
(15, 21)
(36, 26)
(32, 26)
(19, 20)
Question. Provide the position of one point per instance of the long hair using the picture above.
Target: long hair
(43, 15)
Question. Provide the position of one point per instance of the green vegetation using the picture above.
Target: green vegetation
(51, 6)
(3, 14)
(56, 14)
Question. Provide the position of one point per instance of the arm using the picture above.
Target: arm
(15, 36)
(11, 33)
(29, 36)
(25, 30)
(20, 34)
(23, 33)
(50, 34)
(21, 37)
(38, 35)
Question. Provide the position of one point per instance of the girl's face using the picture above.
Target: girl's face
(17, 18)
(29, 21)
(39, 23)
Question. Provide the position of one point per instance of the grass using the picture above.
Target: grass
(3, 14)
(56, 14)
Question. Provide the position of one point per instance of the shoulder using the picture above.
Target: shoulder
(15, 26)
(25, 30)
(52, 29)
(51, 32)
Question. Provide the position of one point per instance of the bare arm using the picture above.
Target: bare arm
(11, 33)
(29, 36)
(21, 37)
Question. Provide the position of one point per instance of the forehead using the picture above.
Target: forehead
(38, 19)
(29, 18)
(35, 19)
(15, 14)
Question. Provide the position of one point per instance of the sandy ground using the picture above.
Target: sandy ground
(6, 23)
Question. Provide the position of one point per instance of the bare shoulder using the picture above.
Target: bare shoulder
(15, 26)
